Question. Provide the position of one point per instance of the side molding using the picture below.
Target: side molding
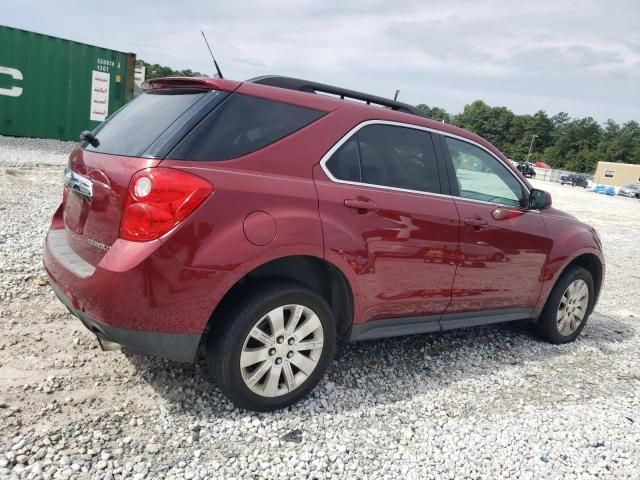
(395, 327)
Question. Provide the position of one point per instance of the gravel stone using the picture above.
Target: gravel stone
(488, 402)
(152, 448)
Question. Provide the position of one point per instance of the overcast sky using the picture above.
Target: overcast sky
(582, 57)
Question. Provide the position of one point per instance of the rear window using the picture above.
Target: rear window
(241, 125)
(132, 129)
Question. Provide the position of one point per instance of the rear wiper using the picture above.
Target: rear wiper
(87, 136)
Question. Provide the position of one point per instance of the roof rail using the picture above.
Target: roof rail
(315, 87)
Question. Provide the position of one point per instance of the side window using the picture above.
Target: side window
(241, 125)
(344, 164)
(481, 176)
(398, 157)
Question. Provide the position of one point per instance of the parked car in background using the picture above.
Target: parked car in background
(257, 222)
(630, 190)
(604, 190)
(574, 180)
(527, 169)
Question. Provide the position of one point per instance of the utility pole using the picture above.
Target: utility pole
(533, 137)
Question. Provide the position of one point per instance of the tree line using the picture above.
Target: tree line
(153, 70)
(575, 144)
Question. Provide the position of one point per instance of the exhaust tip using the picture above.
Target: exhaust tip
(107, 345)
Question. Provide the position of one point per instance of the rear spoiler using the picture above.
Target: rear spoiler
(191, 82)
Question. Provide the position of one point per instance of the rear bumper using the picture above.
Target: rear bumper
(173, 346)
(138, 295)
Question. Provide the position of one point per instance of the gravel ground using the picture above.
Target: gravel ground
(485, 402)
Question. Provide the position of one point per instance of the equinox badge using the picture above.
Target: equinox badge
(95, 243)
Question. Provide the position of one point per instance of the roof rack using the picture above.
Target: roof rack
(315, 87)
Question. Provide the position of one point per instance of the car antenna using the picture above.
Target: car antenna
(214, 58)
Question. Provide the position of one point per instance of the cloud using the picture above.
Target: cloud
(583, 57)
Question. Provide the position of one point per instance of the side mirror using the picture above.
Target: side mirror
(539, 199)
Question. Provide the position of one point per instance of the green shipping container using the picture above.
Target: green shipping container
(56, 88)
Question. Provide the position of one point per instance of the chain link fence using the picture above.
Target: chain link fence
(552, 175)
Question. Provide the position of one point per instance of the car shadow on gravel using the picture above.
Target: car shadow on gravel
(380, 372)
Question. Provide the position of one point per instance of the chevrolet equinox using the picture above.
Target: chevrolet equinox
(260, 221)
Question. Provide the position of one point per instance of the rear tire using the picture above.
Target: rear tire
(568, 307)
(260, 359)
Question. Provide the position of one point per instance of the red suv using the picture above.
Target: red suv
(264, 220)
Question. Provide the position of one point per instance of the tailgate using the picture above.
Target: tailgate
(95, 189)
(134, 138)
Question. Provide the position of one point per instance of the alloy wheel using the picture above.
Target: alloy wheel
(573, 307)
(282, 349)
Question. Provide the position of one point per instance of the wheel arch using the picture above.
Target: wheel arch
(594, 266)
(589, 261)
(316, 273)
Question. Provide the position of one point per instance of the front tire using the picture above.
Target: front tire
(568, 306)
(274, 348)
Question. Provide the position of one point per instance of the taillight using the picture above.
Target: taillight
(157, 200)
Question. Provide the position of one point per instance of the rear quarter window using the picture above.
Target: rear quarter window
(241, 125)
(345, 163)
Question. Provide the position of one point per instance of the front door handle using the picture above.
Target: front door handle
(361, 204)
(476, 222)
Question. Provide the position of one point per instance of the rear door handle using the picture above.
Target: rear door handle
(361, 204)
(476, 222)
